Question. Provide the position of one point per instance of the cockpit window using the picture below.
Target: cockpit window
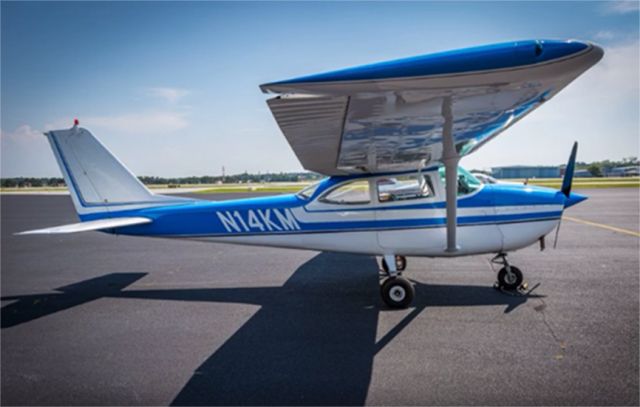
(308, 191)
(467, 183)
(352, 193)
(404, 187)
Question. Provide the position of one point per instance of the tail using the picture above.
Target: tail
(98, 182)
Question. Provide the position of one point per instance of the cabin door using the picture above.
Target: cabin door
(407, 213)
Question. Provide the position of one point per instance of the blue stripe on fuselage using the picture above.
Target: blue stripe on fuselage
(274, 215)
(185, 226)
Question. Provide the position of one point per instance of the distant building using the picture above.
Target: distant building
(584, 173)
(581, 174)
(523, 171)
(630, 171)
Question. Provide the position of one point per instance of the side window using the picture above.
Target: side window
(352, 193)
(467, 183)
(404, 187)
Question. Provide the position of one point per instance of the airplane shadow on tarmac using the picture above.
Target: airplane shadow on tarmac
(312, 342)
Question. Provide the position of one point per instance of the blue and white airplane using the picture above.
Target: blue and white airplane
(389, 137)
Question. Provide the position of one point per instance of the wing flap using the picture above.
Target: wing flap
(92, 225)
(313, 126)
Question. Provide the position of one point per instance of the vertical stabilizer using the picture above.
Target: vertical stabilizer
(97, 180)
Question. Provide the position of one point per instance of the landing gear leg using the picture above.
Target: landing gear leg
(401, 264)
(509, 277)
(396, 291)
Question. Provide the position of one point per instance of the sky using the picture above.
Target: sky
(172, 87)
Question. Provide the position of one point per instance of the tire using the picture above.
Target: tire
(510, 281)
(397, 292)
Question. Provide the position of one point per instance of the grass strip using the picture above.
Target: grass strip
(274, 189)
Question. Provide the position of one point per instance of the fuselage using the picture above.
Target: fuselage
(401, 214)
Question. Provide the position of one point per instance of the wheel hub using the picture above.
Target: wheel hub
(397, 293)
(510, 277)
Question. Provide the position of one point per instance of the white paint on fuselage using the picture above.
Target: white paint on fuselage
(427, 242)
(418, 241)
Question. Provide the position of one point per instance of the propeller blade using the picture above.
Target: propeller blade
(567, 181)
(569, 170)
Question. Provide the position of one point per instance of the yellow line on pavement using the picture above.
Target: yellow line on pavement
(600, 225)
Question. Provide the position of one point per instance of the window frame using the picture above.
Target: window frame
(322, 198)
(467, 174)
(427, 178)
(314, 189)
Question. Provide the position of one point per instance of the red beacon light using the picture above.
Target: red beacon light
(76, 122)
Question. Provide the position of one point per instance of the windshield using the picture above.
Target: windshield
(467, 183)
(308, 191)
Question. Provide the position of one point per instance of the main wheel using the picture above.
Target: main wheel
(510, 280)
(397, 292)
(401, 264)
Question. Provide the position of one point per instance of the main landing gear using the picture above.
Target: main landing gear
(509, 277)
(401, 264)
(396, 291)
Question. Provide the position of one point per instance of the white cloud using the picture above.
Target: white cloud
(23, 134)
(147, 123)
(60, 124)
(156, 122)
(26, 152)
(604, 35)
(171, 95)
(621, 6)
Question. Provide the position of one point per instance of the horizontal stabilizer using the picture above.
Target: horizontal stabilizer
(99, 224)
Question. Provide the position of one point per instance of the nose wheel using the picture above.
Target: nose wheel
(509, 277)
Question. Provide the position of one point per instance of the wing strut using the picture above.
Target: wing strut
(450, 158)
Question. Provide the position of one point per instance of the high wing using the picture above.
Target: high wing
(405, 114)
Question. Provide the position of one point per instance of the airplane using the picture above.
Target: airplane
(389, 137)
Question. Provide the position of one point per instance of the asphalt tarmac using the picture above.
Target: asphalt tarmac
(93, 319)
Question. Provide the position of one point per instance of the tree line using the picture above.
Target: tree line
(194, 180)
(596, 168)
(602, 168)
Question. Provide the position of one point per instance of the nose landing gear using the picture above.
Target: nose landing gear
(396, 291)
(509, 277)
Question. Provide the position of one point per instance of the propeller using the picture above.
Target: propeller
(568, 172)
(569, 198)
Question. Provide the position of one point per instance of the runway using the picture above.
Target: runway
(96, 319)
